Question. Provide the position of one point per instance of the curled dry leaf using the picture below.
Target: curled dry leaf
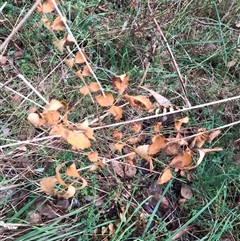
(136, 127)
(116, 111)
(159, 98)
(47, 185)
(142, 151)
(200, 139)
(178, 123)
(159, 142)
(182, 160)
(47, 6)
(171, 149)
(93, 156)
(213, 134)
(130, 158)
(58, 175)
(117, 135)
(166, 176)
(139, 101)
(105, 101)
(72, 171)
(67, 194)
(58, 24)
(89, 133)
(68, 40)
(79, 59)
(120, 83)
(186, 192)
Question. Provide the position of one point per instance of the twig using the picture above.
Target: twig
(171, 56)
(145, 74)
(75, 42)
(33, 89)
(14, 31)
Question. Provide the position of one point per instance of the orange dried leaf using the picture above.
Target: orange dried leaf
(89, 133)
(47, 6)
(129, 159)
(133, 140)
(159, 142)
(105, 101)
(117, 135)
(72, 171)
(58, 24)
(77, 140)
(178, 123)
(116, 111)
(120, 83)
(136, 127)
(119, 146)
(157, 127)
(79, 59)
(47, 185)
(94, 87)
(84, 90)
(69, 40)
(82, 126)
(93, 156)
(139, 101)
(171, 149)
(51, 117)
(94, 167)
(54, 105)
(58, 175)
(181, 161)
(84, 184)
(87, 70)
(69, 193)
(166, 176)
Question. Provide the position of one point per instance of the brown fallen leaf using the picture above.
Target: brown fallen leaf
(47, 23)
(71, 171)
(47, 6)
(119, 146)
(67, 194)
(116, 111)
(105, 101)
(79, 57)
(69, 62)
(84, 90)
(59, 44)
(213, 135)
(178, 123)
(58, 175)
(93, 156)
(54, 105)
(94, 87)
(157, 127)
(166, 176)
(58, 24)
(139, 101)
(181, 161)
(142, 151)
(159, 142)
(117, 135)
(120, 83)
(130, 171)
(47, 185)
(136, 127)
(87, 70)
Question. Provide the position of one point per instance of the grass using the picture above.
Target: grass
(203, 39)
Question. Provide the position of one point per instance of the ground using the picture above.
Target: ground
(188, 52)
